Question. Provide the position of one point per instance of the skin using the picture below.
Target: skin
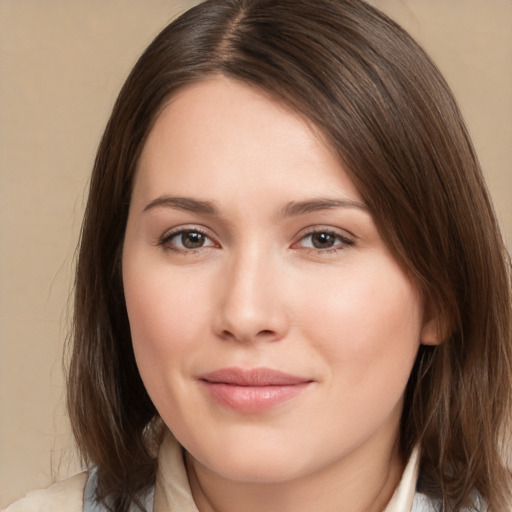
(259, 290)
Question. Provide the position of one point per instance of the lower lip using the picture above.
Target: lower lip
(250, 399)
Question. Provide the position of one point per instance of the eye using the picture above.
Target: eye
(187, 240)
(324, 239)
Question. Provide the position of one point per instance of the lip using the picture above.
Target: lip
(252, 390)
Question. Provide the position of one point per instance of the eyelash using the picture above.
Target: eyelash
(165, 241)
(343, 241)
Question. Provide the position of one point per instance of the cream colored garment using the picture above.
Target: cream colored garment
(65, 496)
(175, 495)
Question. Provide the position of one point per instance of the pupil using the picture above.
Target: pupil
(193, 240)
(322, 240)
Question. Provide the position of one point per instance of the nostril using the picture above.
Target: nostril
(227, 334)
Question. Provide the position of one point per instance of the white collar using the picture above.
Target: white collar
(403, 497)
(172, 492)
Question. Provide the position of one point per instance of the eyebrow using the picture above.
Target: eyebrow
(292, 209)
(183, 203)
(296, 208)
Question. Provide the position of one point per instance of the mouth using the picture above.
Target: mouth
(252, 390)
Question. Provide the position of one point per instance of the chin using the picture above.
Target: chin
(261, 460)
(267, 468)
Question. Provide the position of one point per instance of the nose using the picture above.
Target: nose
(251, 304)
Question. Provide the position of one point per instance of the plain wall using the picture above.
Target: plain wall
(61, 66)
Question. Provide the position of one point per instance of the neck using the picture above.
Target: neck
(363, 481)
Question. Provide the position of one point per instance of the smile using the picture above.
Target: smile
(253, 390)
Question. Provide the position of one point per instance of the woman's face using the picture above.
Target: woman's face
(272, 328)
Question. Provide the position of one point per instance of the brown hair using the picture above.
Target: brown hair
(385, 109)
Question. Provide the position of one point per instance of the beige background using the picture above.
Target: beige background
(61, 66)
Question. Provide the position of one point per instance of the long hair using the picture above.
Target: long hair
(384, 108)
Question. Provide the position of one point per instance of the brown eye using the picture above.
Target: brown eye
(192, 239)
(323, 240)
(187, 240)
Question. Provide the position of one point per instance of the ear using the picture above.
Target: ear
(434, 330)
(430, 332)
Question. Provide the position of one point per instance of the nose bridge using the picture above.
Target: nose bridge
(251, 307)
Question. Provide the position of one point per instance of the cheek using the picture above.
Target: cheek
(363, 305)
(166, 316)
(367, 325)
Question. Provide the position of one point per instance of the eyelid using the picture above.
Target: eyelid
(170, 234)
(347, 238)
(315, 228)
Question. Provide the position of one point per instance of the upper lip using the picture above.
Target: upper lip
(252, 377)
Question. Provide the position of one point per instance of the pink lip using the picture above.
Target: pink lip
(253, 390)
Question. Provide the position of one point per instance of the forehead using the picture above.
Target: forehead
(217, 109)
(220, 133)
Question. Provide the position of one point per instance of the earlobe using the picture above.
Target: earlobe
(431, 332)
(436, 327)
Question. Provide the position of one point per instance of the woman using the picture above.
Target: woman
(290, 262)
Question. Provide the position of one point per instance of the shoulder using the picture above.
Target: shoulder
(64, 496)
